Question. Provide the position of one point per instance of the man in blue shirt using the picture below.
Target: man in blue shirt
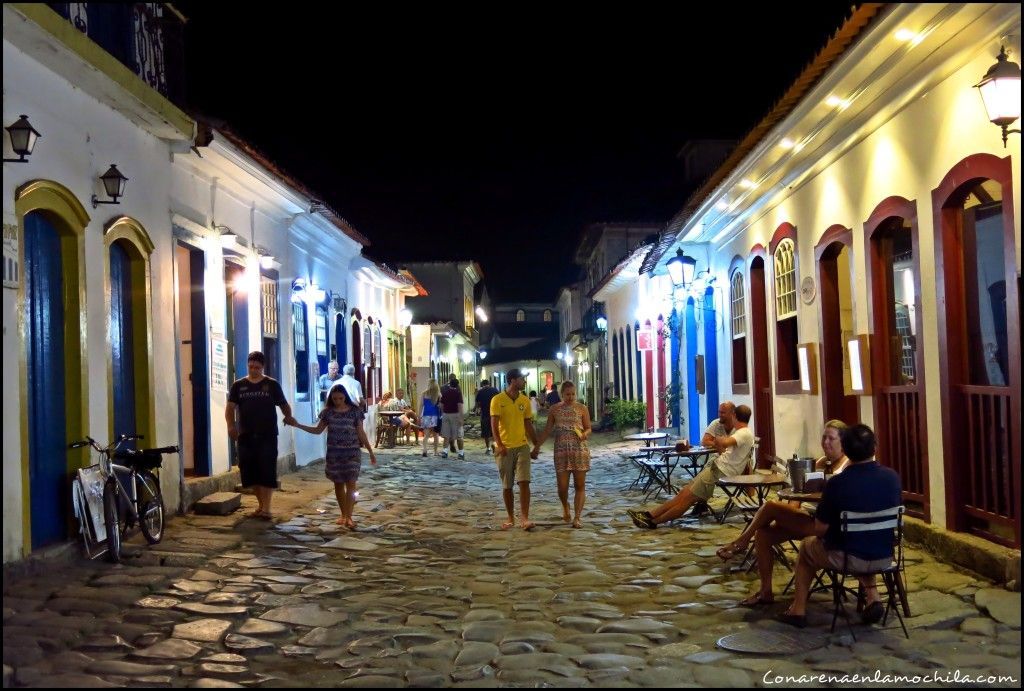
(864, 486)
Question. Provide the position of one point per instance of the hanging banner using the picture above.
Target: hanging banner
(218, 364)
(644, 340)
(420, 343)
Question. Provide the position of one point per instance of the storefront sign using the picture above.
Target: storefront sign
(644, 340)
(219, 364)
(420, 337)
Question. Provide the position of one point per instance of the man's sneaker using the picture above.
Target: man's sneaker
(462, 455)
(487, 451)
(873, 613)
(444, 454)
(424, 454)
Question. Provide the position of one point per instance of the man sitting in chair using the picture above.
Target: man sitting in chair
(734, 450)
(865, 486)
(408, 417)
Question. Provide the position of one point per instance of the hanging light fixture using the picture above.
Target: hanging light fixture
(23, 139)
(680, 269)
(1000, 92)
(113, 184)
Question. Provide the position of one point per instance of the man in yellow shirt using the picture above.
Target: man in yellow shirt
(512, 426)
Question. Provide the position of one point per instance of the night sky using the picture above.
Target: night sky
(499, 135)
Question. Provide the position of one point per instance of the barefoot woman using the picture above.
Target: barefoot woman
(570, 423)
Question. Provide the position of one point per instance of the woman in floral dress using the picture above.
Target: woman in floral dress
(343, 421)
(569, 421)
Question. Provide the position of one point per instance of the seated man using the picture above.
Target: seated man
(864, 486)
(732, 460)
(719, 427)
(398, 402)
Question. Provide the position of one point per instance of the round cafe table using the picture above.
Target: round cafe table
(790, 495)
(648, 438)
(734, 485)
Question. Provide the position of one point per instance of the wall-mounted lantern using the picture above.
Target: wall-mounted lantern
(681, 268)
(23, 139)
(113, 184)
(1000, 92)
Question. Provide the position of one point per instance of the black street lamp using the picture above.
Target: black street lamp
(680, 269)
(23, 139)
(1000, 92)
(113, 184)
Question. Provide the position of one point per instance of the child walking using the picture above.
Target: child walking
(343, 421)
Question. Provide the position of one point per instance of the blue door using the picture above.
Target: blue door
(692, 397)
(710, 355)
(121, 342)
(47, 424)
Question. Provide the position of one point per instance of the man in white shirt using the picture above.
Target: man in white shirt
(734, 450)
(352, 385)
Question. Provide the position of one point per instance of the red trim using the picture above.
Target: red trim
(837, 233)
(649, 387)
(662, 381)
(895, 207)
(785, 230)
(760, 373)
(834, 404)
(947, 202)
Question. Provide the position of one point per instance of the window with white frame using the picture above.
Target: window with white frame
(785, 279)
(739, 312)
(547, 315)
(520, 316)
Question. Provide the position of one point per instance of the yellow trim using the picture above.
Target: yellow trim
(70, 218)
(85, 48)
(140, 247)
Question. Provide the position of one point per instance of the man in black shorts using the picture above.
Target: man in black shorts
(483, 405)
(254, 397)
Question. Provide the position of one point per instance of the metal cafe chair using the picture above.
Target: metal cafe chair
(884, 521)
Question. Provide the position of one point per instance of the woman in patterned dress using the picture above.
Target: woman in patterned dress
(343, 421)
(569, 421)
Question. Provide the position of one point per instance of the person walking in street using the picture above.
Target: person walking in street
(326, 381)
(483, 406)
(512, 426)
(352, 385)
(570, 423)
(430, 414)
(343, 420)
(252, 400)
(452, 411)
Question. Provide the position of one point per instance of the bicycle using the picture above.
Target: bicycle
(107, 507)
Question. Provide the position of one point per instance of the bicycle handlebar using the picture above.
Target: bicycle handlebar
(163, 449)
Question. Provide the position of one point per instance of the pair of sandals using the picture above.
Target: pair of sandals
(260, 513)
(759, 599)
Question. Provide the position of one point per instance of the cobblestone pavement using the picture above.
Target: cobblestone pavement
(430, 592)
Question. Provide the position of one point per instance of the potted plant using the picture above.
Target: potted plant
(628, 416)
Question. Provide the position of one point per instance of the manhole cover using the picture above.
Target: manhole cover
(771, 642)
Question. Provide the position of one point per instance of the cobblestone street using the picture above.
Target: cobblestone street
(430, 592)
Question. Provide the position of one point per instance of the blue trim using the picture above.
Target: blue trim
(200, 364)
(615, 363)
(673, 327)
(122, 351)
(340, 340)
(710, 355)
(239, 306)
(639, 365)
(692, 397)
(47, 408)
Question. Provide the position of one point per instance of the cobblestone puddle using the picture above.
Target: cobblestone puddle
(430, 592)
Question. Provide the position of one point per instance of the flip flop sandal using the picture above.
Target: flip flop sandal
(756, 600)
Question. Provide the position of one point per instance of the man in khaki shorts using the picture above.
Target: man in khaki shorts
(512, 428)
(732, 460)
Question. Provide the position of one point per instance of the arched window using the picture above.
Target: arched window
(368, 354)
(737, 299)
(520, 316)
(786, 332)
(547, 315)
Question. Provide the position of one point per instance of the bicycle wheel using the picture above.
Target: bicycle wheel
(111, 517)
(151, 506)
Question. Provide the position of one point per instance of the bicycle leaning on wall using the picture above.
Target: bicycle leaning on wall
(119, 492)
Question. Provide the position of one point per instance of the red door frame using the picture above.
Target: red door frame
(834, 404)
(764, 422)
(947, 200)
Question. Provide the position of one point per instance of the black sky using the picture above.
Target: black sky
(495, 134)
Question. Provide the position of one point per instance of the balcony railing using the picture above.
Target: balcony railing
(145, 37)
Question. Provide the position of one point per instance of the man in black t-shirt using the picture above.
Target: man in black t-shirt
(254, 397)
(864, 487)
(483, 404)
(452, 409)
